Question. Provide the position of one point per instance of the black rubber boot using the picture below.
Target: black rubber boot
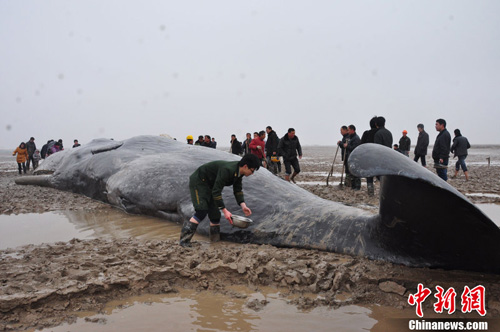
(187, 232)
(215, 233)
(292, 178)
(356, 183)
(371, 189)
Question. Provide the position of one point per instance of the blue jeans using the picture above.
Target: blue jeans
(443, 172)
(461, 162)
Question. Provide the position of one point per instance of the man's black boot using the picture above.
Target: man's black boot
(215, 233)
(187, 232)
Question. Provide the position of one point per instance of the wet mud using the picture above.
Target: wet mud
(46, 285)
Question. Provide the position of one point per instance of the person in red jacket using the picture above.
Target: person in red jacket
(258, 146)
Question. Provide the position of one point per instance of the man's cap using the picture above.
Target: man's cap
(405, 132)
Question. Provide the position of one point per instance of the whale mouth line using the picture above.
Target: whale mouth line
(106, 148)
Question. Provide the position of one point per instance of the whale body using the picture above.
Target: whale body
(422, 220)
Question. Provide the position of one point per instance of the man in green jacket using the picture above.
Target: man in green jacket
(206, 185)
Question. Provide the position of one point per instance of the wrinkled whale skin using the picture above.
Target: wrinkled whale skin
(422, 221)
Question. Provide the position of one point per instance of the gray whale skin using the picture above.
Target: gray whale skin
(422, 220)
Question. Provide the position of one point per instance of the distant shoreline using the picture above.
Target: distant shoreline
(226, 148)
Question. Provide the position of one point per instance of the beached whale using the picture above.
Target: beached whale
(422, 221)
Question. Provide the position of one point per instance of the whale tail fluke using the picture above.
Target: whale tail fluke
(424, 221)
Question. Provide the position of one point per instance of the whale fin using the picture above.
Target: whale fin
(423, 219)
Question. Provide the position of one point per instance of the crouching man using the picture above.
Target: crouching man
(206, 185)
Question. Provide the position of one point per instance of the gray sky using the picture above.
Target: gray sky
(88, 69)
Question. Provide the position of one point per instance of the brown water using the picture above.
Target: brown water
(35, 228)
(189, 310)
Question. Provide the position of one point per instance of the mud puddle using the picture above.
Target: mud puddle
(50, 227)
(239, 309)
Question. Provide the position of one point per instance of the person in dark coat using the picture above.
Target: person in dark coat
(31, 147)
(235, 145)
(422, 144)
(206, 185)
(272, 150)
(344, 131)
(288, 147)
(208, 142)
(459, 149)
(383, 136)
(353, 143)
(405, 144)
(246, 144)
(397, 149)
(45, 148)
(199, 141)
(441, 150)
(369, 137)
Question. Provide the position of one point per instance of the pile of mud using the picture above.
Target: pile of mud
(45, 285)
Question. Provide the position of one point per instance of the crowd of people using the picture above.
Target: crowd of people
(27, 153)
(202, 141)
(378, 134)
(267, 151)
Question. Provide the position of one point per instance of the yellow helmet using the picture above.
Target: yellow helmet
(189, 137)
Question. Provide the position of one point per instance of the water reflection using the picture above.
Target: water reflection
(114, 223)
(50, 227)
(190, 310)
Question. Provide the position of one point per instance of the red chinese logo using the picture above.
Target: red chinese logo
(472, 299)
(445, 301)
(419, 298)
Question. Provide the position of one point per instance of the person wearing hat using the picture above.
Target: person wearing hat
(405, 144)
(189, 139)
(206, 185)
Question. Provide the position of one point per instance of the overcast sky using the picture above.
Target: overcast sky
(88, 69)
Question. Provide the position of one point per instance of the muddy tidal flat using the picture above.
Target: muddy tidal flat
(99, 267)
